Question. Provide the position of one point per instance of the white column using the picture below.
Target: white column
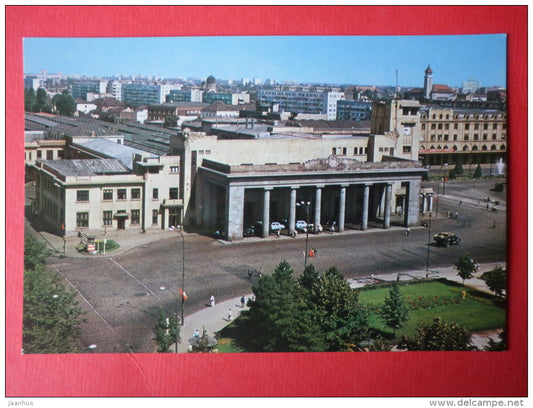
(292, 210)
(266, 213)
(364, 221)
(386, 220)
(342, 208)
(318, 205)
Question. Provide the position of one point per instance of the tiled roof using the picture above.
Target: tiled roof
(87, 167)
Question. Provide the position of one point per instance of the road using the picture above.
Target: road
(122, 294)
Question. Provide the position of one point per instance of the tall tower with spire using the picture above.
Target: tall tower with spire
(428, 82)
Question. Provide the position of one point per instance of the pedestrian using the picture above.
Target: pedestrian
(250, 273)
(196, 333)
(456, 215)
(229, 315)
(407, 231)
(242, 301)
(212, 301)
(277, 233)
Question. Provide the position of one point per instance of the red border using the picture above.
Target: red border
(323, 374)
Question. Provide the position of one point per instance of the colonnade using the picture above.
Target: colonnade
(317, 204)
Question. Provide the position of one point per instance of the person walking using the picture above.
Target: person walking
(212, 301)
(242, 301)
(229, 315)
(196, 333)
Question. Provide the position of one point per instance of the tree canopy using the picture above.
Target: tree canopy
(496, 280)
(51, 317)
(64, 103)
(439, 336)
(316, 312)
(466, 267)
(394, 312)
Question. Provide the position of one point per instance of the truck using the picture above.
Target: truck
(446, 239)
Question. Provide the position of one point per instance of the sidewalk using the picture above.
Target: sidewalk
(213, 319)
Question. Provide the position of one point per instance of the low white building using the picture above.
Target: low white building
(88, 195)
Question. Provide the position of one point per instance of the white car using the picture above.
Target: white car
(300, 225)
(276, 226)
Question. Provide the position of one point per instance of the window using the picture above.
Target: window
(155, 214)
(108, 194)
(135, 216)
(49, 155)
(333, 150)
(174, 169)
(476, 136)
(108, 217)
(467, 126)
(407, 149)
(173, 193)
(466, 136)
(82, 219)
(433, 126)
(155, 193)
(82, 195)
(135, 193)
(121, 194)
(423, 126)
(39, 154)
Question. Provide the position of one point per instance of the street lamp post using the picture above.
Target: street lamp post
(429, 241)
(163, 288)
(180, 230)
(305, 205)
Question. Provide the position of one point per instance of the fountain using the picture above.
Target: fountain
(499, 166)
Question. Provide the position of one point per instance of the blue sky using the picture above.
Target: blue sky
(362, 60)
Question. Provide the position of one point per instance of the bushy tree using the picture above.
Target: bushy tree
(439, 336)
(496, 280)
(465, 267)
(394, 311)
(64, 103)
(51, 315)
(342, 320)
(166, 332)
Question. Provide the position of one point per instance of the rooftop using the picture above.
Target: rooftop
(85, 167)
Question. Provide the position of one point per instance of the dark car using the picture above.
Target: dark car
(446, 239)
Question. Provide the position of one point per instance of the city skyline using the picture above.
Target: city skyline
(361, 60)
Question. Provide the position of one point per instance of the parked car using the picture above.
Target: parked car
(249, 231)
(313, 229)
(276, 226)
(300, 225)
(446, 239)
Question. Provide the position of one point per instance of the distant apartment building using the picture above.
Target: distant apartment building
(141, 94)
(33, 82)
(353, 109)
(80, 90)
(302, 101)
(227, 98)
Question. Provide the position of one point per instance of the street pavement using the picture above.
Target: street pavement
(213, 319)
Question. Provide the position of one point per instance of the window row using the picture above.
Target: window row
(342, 151)
(82, 218)
(466, 137)
(466, 126)
(108, 194)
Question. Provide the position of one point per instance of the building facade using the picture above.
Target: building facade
(87, 195)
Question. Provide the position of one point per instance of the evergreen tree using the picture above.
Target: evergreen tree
(465, 267)
(166, 332)
(439, 336)
(29, 99)
(394, 311)
(478, 173)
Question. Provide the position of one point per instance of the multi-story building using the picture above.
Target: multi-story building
(141, 94)
(453, 135)
(84, 195)
(80, 90)
(302, 101)
(349, 109)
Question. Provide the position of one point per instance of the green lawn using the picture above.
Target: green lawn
(428, 300)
